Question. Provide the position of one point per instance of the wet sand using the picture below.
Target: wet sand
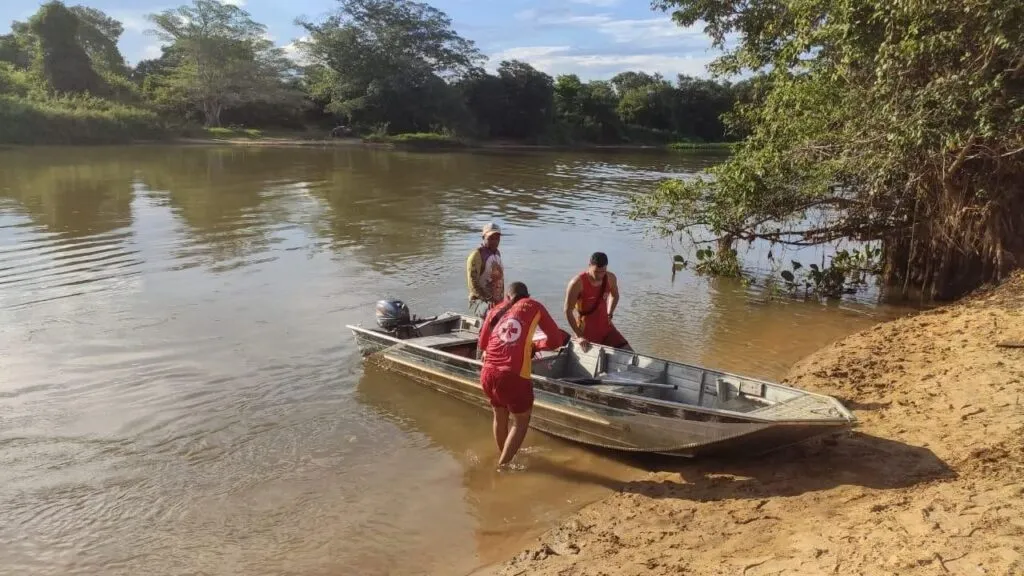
(930, 482)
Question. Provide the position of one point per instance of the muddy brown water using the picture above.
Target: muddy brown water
(178, 394)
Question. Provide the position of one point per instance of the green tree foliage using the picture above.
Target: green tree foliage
(390, 61)
(60, 58)
(901, 122)
(98, 35)
(518, 102)
(16, 48)
(587, 111)
(223, 59)
(524, 103)
(71, 49)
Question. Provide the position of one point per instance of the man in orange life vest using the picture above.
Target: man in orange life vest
(506, 339)
(590, 301)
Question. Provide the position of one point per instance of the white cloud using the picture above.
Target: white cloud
(528, 14)
(646, 32)
(134, 20)
(556, 60)
(527, 53)
(645, 44)
(152, 51)
(293, 52)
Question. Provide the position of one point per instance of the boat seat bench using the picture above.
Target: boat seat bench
(631, 374)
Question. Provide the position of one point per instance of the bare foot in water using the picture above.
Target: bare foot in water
(510, 467)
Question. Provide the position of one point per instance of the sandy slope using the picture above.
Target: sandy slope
(932, 482)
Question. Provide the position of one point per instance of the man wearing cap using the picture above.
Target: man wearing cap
(485, 276)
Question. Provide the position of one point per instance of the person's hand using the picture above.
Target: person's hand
(583, 344)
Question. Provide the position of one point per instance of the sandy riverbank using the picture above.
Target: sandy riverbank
(931, 482)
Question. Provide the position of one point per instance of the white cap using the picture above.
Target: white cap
(491, 228)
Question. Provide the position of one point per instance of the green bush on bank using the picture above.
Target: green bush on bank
(14, 82)
(415, 140)
(30, 114)
(691, 145)
(233, 132)
(74, 120)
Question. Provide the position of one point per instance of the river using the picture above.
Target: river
(178, 394)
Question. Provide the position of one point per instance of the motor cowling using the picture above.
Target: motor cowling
(392, 313)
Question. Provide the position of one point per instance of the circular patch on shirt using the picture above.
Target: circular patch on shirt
(510, 331)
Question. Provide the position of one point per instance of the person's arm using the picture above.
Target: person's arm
(485, 334)
(572, 294)
(475, 267)
(552, 333)
(613, 291)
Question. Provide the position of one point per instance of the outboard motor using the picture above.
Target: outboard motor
(392, 314)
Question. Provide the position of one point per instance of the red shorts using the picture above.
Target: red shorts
(507, 390)
(609, 336)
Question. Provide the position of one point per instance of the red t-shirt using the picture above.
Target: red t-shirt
(509, 346)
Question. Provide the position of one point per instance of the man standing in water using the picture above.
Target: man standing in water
(485, 276)
(506, 339)
(590, 301)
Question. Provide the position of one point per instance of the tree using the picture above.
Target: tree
(901, 123)
(17, 47)
(98, 35)
(94, 32)
(587, 111)
(60, 58)
(625, 81)
(225, 59)
(530, 96)
(648, 105)
(699, 106)
(484, 95)
(518, 102)
(386, 58)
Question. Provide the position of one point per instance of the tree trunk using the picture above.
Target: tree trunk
(946, 258)
(211, 114)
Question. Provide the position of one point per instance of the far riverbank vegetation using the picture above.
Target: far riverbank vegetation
(390, 71)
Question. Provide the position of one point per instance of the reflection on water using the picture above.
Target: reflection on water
(179, 393)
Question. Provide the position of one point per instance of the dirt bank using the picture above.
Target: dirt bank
(931, 482)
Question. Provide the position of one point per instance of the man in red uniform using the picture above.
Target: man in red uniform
(590, 301)
(506, 339)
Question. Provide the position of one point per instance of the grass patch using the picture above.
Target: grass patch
(219, 132)
(690, 145)
(416, 140)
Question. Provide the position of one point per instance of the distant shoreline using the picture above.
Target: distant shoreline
(439, 144)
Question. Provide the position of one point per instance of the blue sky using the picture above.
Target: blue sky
(593, 38)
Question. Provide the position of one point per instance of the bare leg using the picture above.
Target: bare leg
(520, 425)
(500, 427)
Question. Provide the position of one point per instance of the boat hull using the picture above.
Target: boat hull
(585, 416)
